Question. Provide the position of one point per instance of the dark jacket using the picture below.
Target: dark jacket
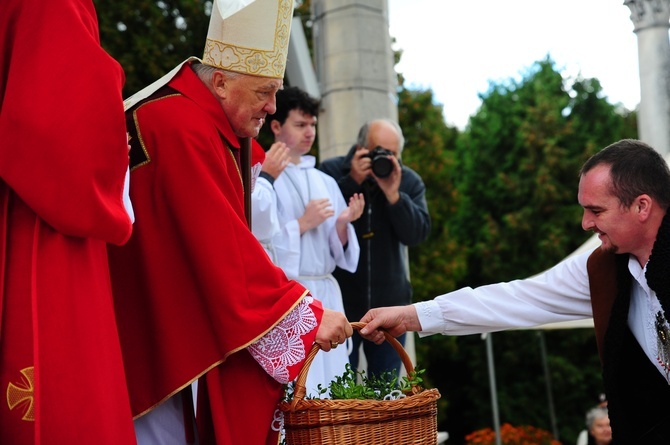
(637, 394)
(383, 231)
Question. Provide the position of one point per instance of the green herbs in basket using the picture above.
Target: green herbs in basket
(383, 410)
(356, 385)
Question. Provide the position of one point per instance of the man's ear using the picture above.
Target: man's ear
(219, 83)
(275, 126)
(643, 205)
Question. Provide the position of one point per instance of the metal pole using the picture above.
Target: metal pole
(547, 379)
(492, 383)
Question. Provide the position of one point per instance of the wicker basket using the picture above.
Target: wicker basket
(410, 420)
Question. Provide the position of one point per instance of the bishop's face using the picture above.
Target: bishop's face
(247, 100)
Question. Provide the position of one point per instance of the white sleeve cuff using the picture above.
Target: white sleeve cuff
(430, 318)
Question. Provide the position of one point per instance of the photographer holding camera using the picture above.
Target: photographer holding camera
(395, 216)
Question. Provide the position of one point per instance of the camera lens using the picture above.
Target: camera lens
(382, 166)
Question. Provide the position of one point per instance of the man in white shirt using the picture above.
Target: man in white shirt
(624, 285)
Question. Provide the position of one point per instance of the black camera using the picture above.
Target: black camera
(382, 166)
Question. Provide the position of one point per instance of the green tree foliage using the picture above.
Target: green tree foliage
(574, 370)
(303, 10)
(429, 150)
(150, 37)
(518, 179)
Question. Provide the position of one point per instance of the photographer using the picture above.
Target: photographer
(395, 216)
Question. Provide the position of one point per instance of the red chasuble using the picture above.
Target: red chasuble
(193, 287)
(63, 158)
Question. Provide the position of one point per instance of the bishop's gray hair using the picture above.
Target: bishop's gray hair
(206, 72)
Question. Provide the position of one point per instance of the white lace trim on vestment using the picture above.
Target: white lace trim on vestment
(282, 346)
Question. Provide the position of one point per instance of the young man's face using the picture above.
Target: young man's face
(298, 132)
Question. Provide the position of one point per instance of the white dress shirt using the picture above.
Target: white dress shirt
(561, 293)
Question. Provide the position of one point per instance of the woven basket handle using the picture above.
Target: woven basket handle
(299, 389)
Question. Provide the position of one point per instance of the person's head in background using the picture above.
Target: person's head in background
(598, 426)
(383, 133)
(294, 122)
(602, 400)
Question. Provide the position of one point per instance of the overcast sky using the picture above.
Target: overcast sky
(456, 47)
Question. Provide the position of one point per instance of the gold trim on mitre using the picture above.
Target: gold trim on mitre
(249, 38)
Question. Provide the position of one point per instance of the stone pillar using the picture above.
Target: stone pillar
(354, 67)
(651, 19)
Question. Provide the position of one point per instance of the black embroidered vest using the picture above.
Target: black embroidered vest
(638, 395)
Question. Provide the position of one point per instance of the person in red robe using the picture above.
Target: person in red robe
(63, 160)
(197, 298)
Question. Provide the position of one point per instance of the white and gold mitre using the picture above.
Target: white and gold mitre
(249, 36)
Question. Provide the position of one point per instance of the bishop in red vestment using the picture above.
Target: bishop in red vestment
(63, 160)
(196, 296)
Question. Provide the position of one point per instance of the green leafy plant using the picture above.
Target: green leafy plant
(357, 385)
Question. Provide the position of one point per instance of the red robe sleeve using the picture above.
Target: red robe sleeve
(68, 168)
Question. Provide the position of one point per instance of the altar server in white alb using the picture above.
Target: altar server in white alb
(314, 233)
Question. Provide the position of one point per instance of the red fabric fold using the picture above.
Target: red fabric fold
(62, 165)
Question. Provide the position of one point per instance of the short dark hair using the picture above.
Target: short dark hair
(635, 169)
(293, 98)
